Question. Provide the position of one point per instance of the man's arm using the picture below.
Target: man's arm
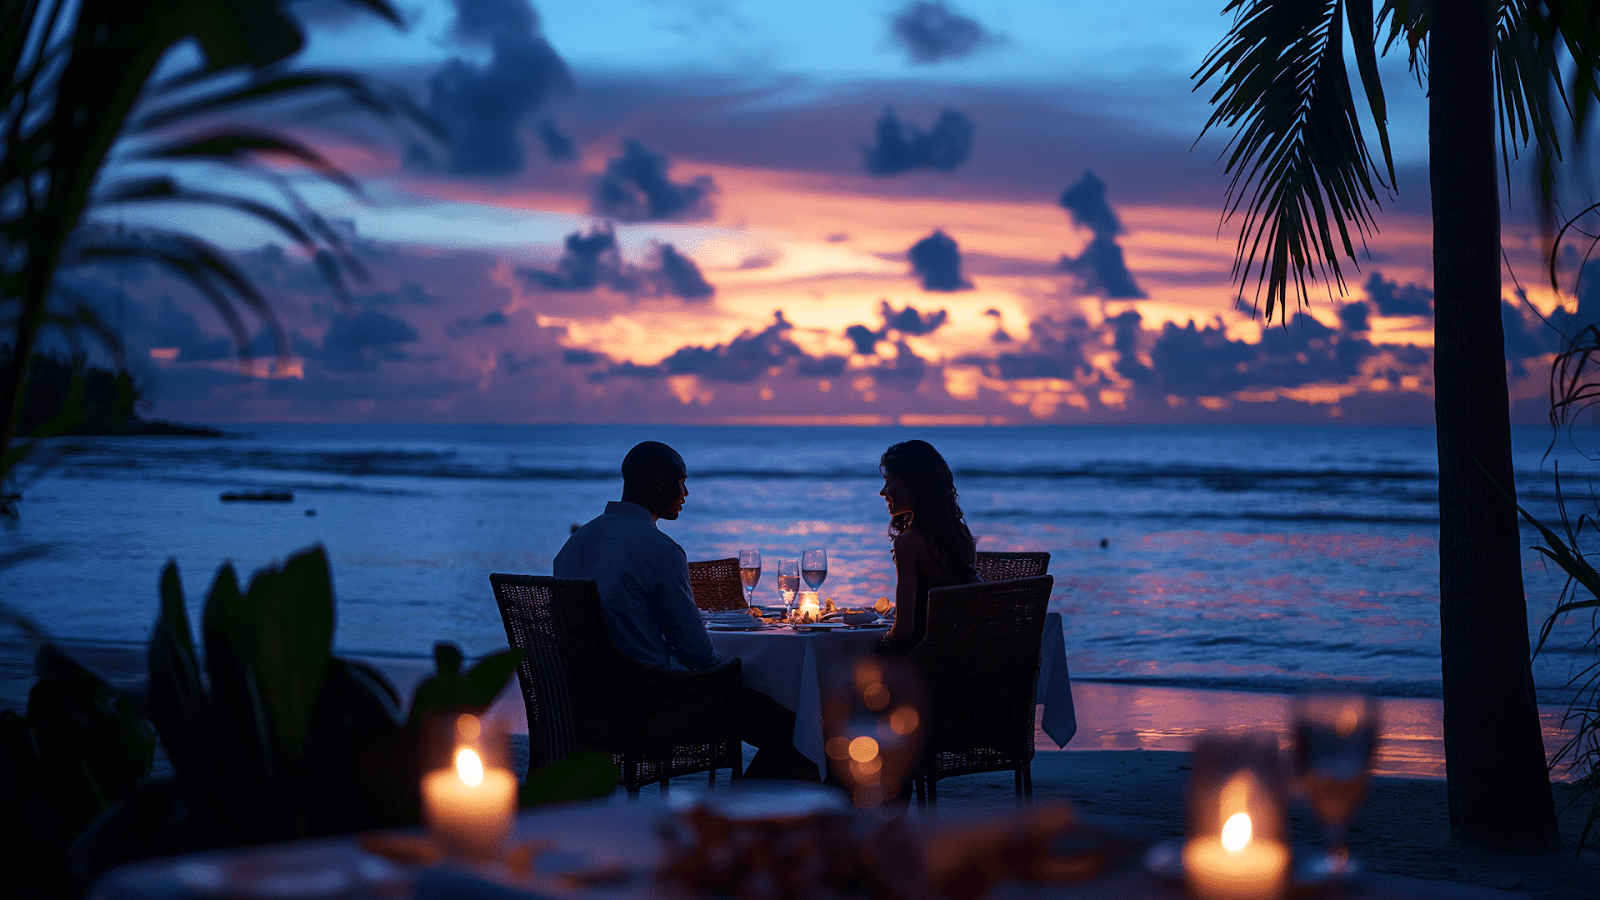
(680, 618)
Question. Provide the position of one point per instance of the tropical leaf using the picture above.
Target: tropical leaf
(1302, 174)
(242, 146)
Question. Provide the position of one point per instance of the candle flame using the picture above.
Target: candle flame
(469, 767)
(1236, 832)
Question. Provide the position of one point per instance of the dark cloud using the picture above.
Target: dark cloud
(635, 188)
(932, 32)
(1054, 349)
(591, 261)
(936, 259)
(910, 321)
(1125, 331)
(680, 276)
(575, 356)
(902, 148)
(556, 145)
(481, 107)
(907, 321)
(467, 324)
(1102, 271)
(174, 326)
(1393, 300)
(1355, 317)
(750, 356)
(1100, 268)
(865, 339)
(1086, 201)
(1193, 362)
(361, 342)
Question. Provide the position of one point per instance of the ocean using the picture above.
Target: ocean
(1241, 558)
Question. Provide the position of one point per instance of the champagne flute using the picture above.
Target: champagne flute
(749, 573)
(873, 716)
(788, 583)
(814, 567)
(1335, 739)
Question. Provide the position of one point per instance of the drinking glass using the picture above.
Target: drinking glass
(749, 573)
(814, 567)
(1335, 738)
(873, 716)
(788, 583)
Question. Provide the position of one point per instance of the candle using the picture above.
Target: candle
(1236, 862)
(469, 808)
(809, 611)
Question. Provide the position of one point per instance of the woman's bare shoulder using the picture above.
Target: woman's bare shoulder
(913, 542)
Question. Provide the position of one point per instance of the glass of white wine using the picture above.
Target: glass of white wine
(749, 573)
(1335, 739)
(788, 583)
(814, 567)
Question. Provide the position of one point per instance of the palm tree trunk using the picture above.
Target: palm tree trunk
(1499, 787)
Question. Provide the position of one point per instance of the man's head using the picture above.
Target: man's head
(654, 476)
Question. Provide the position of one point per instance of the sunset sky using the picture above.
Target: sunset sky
(843, 212)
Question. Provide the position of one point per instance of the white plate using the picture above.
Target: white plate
(729, 626)
(820, 626)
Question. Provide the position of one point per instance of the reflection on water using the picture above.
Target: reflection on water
(1138, 717)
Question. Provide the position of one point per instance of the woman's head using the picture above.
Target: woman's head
(921, 494)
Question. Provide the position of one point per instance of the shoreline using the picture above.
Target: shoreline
(1112, 715)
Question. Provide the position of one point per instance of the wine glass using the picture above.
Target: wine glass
(1335, 739)
(788, 583)
(749, 573)
(873, 716)
(814, 567)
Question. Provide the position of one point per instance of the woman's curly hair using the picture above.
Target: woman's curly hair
(936, 508)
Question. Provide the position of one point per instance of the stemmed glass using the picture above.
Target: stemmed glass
(814, 567)
(873, 715)
(1335, 739)
(788, 583)
(749, 573)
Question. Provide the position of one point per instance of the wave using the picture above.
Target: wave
(1168, 515)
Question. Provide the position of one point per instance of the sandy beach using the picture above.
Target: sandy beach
(1127, 768)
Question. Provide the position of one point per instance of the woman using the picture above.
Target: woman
(932, 545)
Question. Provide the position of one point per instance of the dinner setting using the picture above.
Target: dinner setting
(796, 749)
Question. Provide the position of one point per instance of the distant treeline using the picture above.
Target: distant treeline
(66, 395)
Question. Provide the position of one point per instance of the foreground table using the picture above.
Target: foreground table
(613, 839)
(788, 665)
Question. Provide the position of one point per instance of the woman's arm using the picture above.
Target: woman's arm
(909, 550)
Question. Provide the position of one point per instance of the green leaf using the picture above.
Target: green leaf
(292, 614)
(178, 699)
(447, 659)
(242, 146)
(586, 775)
(488, 678)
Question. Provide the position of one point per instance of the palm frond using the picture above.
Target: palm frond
(1302, 174)
(243, 146)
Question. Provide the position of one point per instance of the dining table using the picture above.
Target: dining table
(596, 850)
(789, 665)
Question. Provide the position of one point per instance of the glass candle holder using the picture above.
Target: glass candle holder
(810, 607)
(469, 796)
(1236, 847)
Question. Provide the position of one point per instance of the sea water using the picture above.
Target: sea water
(1251, 558)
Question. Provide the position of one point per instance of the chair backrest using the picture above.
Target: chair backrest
(569, 663)
(1006, 566)
(715, 583)
(980, 658)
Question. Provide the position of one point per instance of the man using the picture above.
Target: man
(643, 577)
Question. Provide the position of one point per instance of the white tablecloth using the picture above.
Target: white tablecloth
(787, 665)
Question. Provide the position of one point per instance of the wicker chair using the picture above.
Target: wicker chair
(716, 585)
(981, 662)
(582, 693)
(1005, 566)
